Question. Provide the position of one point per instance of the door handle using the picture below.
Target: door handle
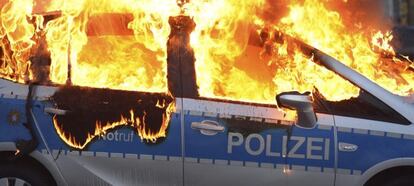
(55, 111)
(347, 147)
(207, 127)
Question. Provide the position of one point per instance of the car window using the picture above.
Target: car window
(365, 106)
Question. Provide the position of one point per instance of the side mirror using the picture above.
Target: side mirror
(302, 103)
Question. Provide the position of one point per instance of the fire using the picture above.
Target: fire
(328, 33)
(131, 120)
(122, 45)
(220, 37)
(98, 58)
(100, 129)
(16, 39)
(381, 41)
(92, 112)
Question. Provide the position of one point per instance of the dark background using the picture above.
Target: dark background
(401, 12)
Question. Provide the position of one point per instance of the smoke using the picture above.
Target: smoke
(366, 13)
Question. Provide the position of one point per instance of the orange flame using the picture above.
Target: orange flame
(128, 52)
(16, 39)
(102, 128)
(382, 41)
(97, 60)
(328, 33)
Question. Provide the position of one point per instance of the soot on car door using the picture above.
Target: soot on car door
(113, 137)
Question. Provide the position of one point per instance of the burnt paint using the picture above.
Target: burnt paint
(181, 73)
(85, 106)
(245, 126)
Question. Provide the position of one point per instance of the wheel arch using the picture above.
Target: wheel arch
(35, 158)
(387, 168)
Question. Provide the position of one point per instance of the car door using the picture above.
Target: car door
(369, 133)
(232, 144)
(116, 156)
(311, 157)
(228, 143)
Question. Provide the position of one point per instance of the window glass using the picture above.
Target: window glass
(364, 106)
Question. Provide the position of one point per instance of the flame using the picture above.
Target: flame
(99, 130)
(381, 41)
(131, 120)
(127, 62)
(16, 39)
(122, 45)
(328, 33)
(220, 37)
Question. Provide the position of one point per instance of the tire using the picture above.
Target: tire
(23, 173)
(404, 180)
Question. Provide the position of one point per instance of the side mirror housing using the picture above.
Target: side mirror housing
(302, 103)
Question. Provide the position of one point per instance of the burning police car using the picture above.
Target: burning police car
(208, 141)
(61, 130)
